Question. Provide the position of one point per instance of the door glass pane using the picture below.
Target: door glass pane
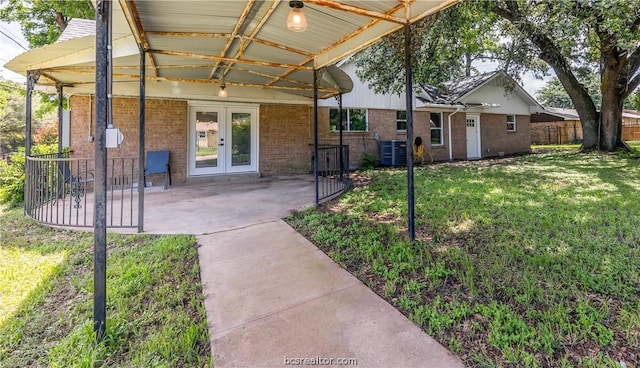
(240, 138)
(207, 134)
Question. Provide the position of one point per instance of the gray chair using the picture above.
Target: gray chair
(158, 163)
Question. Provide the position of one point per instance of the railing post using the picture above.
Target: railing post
(103, 20)
(141, 148)
(409, 101)
(316, 160)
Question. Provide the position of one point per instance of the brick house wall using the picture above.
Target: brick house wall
(495, 138)
(286, 139)
(166, 129)
(285, 134)
(382, 122)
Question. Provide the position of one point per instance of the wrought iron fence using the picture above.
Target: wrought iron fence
(59, 190)
(333, 171)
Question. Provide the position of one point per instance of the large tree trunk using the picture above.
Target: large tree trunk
(612, 64)
(611, 118)
(583, 103)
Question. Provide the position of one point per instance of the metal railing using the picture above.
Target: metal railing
(59, 190)
(333, 171)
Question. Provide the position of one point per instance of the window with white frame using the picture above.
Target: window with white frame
(355, 120)
(435, 122)
(511, 123)
(401, 121)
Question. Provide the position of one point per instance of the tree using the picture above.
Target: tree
(437, 56)
(553, 93)
(603, 36)
(13, 116)
(43, 21)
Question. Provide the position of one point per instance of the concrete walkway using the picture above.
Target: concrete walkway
(273, 299)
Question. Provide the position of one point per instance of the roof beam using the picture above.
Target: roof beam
(239, 24)
(80, 70)
(247, 41)
(230, 60)
(204, 81)
(359, 11)
(283, 75)
(360, 30)
(222, 35)
(133, 18)
(188, 34)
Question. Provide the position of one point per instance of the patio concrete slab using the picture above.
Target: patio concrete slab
(211, 207)
(272, 297)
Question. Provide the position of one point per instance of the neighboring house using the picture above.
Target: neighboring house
(481, 116)
(556, 126)
(562, 126)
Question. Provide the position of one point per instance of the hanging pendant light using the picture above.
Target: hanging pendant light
(296, 21)
(222, 91)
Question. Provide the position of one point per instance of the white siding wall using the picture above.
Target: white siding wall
(510, 103)
(363, 97)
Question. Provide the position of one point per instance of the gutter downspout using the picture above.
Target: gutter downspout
(458, 109)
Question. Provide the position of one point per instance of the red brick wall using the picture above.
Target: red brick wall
(166, 128)
(495, 137)
(286, 139)
(382, 122)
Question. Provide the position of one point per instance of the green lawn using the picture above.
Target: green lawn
(531, 261)
(155, 308)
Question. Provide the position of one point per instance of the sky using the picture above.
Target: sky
(10, 49)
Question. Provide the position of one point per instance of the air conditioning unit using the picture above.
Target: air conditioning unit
(393, 153)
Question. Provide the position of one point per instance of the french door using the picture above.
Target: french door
(222, 140)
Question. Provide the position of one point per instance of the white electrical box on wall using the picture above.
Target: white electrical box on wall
(114, 138)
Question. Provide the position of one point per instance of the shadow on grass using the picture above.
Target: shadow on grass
(155, 308)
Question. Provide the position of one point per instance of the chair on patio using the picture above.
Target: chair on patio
(158, 163)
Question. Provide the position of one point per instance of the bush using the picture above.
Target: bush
(12, 174)
(369, 161)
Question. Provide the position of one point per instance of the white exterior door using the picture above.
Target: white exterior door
(222, 140)
(473, 137)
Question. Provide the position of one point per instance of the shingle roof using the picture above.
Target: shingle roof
(78, 28)
(453, 90)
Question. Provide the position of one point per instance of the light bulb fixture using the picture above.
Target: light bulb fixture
(296, 20)
(222, 92)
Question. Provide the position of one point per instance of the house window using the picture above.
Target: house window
(511, 123)
(401, 121)
(202, 134)
(436, 128)
(355, 120)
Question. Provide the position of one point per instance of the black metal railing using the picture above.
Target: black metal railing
(59, 190)
(333, 171)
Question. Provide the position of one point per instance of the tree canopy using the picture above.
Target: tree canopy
(572, 37)
(437, 56)
(43, 21)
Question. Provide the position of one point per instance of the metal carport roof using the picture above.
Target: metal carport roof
(194, 46)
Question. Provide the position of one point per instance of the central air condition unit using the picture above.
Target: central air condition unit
(393, 153)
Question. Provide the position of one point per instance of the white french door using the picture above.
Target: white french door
(222, 140)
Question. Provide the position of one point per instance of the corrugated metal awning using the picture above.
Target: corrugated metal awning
(194, 46)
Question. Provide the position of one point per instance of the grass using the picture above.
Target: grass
(155, 308)
(531, 261)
